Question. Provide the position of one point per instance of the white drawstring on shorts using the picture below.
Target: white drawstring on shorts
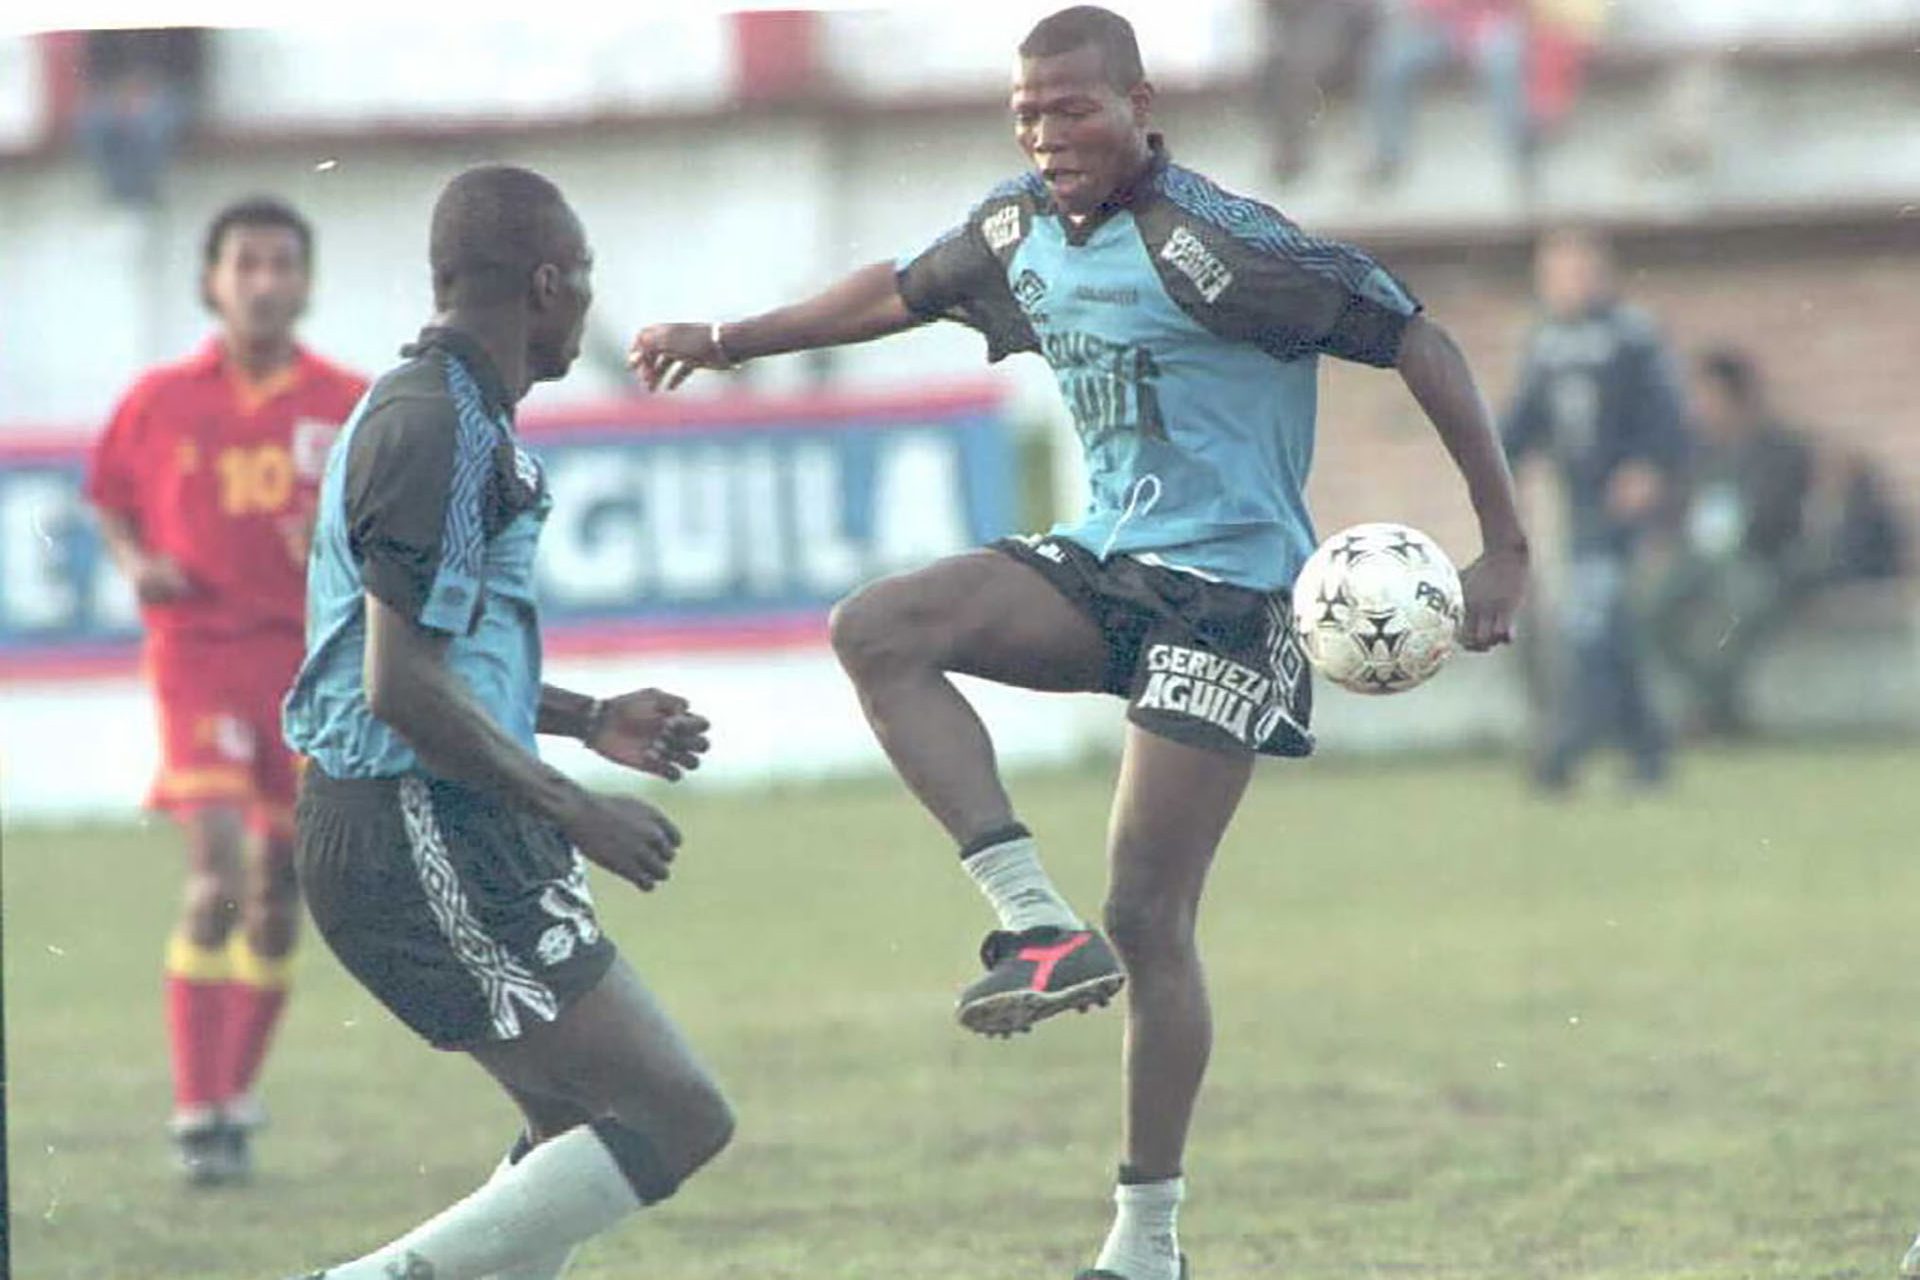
(1134, 508)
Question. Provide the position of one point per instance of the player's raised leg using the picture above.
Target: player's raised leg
(983, 614)
(198, 970)
(1173, 805)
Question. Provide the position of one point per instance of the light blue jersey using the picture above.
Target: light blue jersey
(1184, 325)
(430, 505)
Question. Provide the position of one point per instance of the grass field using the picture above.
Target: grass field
(1461, 1033)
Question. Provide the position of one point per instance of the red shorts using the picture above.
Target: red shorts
(220, 741)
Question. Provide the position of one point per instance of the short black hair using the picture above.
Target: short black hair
(258, 211)
(492, 226)
(1735, 372)
(1084, 25)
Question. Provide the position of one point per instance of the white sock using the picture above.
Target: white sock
(1145, 1241)
(549, 1266)
(561, 1192)
(1011, 876)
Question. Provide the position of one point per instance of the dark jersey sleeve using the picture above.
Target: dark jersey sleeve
(1323, 298)
(415, 496)
(1370, 307)
(961, 276)
(1245, 271)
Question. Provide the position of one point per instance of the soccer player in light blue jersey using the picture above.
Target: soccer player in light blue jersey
(1184, 324)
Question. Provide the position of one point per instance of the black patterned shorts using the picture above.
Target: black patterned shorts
(1204, 663)
(470, 919)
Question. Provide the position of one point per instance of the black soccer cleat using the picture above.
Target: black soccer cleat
(238, 1150)
(1097, 1274)
(1036, 973)
(204, 1154)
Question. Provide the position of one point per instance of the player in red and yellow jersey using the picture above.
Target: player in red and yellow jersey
(205, 483)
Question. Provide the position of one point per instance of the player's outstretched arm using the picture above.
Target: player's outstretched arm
(1437, 374)
(649, 730)
(410, 688)
(862, 306)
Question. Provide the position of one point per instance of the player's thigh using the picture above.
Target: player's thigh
(614, 1051)
(983, 614)
(1171, 808)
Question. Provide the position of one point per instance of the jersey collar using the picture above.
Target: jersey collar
(213, 360)
(464, 348)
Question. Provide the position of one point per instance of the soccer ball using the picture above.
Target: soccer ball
(1377, 606)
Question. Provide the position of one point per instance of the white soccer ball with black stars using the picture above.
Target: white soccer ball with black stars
(1377, 607)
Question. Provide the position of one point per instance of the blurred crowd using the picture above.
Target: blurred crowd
(1528, 56)
(1700, 519)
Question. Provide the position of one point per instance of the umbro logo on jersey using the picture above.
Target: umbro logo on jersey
(1002, 227)
(1197, 263)
(1029, 289)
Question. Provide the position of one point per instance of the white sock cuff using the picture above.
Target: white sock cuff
(995, 854)
(1166, 1191)
(581, 1162)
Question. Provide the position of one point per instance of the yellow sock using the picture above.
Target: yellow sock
(191, 962)
(269, 973)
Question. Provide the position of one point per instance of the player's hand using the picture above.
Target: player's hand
(628, 837)
(665, 355)
(651, 731)
(1635, 492)
(158, 580)
(1494, 585)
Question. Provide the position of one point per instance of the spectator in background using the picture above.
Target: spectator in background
(134, 108)
(1531, 57)
(1854, 533)
(1598, 398)
(128, 129)
(1314, 48)
(1561, 37)
(1736, 575)
(1418, 38)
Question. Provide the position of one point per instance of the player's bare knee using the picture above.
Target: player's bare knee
(696, 1123)
(1146, 930)
(709, 1127)
(209, 905)
(881, 629)
(274, 888)
(680, 1129)
(860, 632)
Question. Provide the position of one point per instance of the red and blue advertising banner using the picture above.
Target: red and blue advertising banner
(677, 524)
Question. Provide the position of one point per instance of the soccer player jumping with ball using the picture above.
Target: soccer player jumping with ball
(1184, 324)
